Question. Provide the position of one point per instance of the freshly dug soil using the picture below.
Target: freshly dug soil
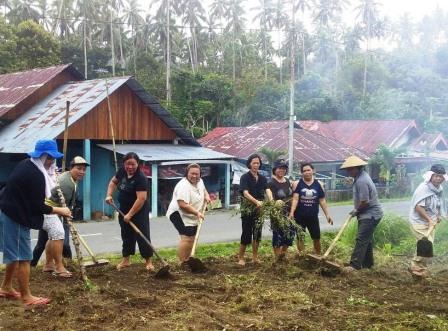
(293, 295)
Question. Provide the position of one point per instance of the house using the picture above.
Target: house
(326, 154)
(139, 122)
(418, 149)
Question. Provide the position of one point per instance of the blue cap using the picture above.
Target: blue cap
(46, 146)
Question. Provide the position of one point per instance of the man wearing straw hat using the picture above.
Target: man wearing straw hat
(368, 211)
(427, 209)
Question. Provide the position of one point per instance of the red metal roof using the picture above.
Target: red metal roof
(16, 87)
(365, 135)
(308, 146)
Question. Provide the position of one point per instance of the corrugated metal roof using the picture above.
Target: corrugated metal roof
(308, 146)
(17, 86)
(165, 152)
(365, 135)
(46, 119)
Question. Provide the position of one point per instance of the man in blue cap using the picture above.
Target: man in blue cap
(22, 206)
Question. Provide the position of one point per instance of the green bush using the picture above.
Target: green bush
(391, 233)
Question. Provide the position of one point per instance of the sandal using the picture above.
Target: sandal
(62, 274)
(37, 302)
(13, 295)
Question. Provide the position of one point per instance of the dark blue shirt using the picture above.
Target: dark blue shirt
(309, 196)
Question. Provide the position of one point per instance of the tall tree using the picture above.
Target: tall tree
(132, 16)
(368, 13)
(265, 17)
(234, 17)
(193, 16)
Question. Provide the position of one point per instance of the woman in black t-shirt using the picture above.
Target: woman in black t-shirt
(253, 187)
(132, 196)
(281, 190)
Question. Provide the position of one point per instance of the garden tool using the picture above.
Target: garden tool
(323, 258)
(75, 234)
(424, 245)
(195, 264)
(95, 262)
(163, 272)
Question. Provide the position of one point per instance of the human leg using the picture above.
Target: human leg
(40, 247)
(247, 223)
(419, 264)
(53, 226)
(128, 237)
(66, 249)
(145, 250)
(185, 247)
(8, 277)
(366, 227)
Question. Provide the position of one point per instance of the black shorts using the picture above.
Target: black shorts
(311, 223)
(184, 230)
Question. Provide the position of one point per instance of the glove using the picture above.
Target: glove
(353, 213)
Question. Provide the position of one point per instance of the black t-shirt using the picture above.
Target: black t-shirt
(309, 196)
(281, 191)
(256, 188)
(127, 191)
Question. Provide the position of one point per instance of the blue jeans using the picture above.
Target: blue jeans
(362, 256)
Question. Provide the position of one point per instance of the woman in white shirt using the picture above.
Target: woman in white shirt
(185, 209)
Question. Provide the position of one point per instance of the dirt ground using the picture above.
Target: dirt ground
(296, 295)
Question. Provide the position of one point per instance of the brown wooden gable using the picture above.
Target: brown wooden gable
(132, 120)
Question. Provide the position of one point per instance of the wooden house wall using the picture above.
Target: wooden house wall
(132, 120)
(41, 93)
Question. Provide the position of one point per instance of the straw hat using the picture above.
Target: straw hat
(353, 161)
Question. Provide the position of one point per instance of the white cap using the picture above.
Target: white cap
(78, 160)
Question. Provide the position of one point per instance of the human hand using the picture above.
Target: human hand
(259, 203)
(207, 200)
(109, 200)
(200, 215)
(127, 218)
(64, 212)
(329, 220)
(353, 213)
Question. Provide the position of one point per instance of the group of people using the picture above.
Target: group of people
(32, 199)
(301, 201)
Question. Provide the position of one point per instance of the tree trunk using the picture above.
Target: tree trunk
(303, 54)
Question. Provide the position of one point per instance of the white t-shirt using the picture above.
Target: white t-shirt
(193, 195)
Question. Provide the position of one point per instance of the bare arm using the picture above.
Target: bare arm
(249, 197)
(324, 206)
(138, 204)
(422, 213)
(269, 194)
(111, 189)
(294, 202)
(189, 209)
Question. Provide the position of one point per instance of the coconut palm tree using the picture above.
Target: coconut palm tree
(234, 16)
(265, 17)
(23, 10)
(368, 13)
(193, 16)
(132, 17)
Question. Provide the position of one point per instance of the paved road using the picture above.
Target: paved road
(220, 226)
